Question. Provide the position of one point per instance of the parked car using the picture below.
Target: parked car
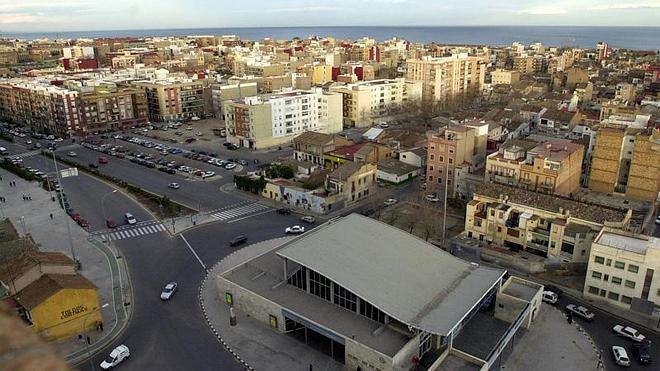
(103, 160)
(283, 211)
(581, 311)
(168, 291)
(628, 332)
(230, 166)
(117, 355)
(390, 202)
(110, 224)
(642, 352)
(620, 356)
(130, 219)
(207, 174)
(238, 240)
(296, 229)
(308, 219)
(242, 162)
(432, 198)
(174, 185)
(554, 289)
(72, 154)
(82, 222)
(550, 297)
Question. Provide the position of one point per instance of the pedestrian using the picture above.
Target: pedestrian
(29, 197)
(80, 337)
(101, 325)
(89, 341)
(51, 216)
(23, 197)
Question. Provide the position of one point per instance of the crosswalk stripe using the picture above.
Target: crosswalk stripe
(142, 230)
(123, 234)
(160, 227)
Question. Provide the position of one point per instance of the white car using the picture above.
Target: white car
(620, 356)
(207, 174)
(629, 332)
(581, 311)
(168, 291)
(657, 220)
(58, 140)
(230, 166)
(130, 219)
(174, 185)
(390, 202)
(28, 142)
(432, 198)
(296, 229)
(72, 154)
(117, 355)
(550, 297)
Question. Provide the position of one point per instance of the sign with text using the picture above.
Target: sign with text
(65, 173)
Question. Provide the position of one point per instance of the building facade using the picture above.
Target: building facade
(444, 78)
(271, 120)
(174, 99)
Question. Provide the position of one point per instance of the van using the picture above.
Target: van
(130, 219)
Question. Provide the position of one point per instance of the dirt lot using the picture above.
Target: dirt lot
(423, 222)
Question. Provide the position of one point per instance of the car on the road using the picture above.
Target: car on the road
(550, 297)
(207, 174)
(642, 352)
(230, 166)
(581, 311)
(72, 154)
(390, 202)
(308, 219)
(657, 220)
(174, 185)
(110, 224)
(28, 142)
(117, 355)
(283, 211)
(50, 137)
(620, 356)
(296, 229)
(103, 160)
(432, 198)
(130, 219)
(168, 291)
(93, 165)
(628, 332)
(238, 240)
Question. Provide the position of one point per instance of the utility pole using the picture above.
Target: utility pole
(68, 226)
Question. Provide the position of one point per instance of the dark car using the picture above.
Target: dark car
(82, 222)
(641, 352)
(93, 165)
(111, 224)
(554, 289)
(283, 211)
(238, 240)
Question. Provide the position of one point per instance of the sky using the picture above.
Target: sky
(84, 15)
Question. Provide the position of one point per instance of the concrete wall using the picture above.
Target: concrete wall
(403, 358)
(358, 355)
(66, 313)
(508, 308)
(252, 304)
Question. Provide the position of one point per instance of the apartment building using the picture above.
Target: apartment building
(453, 146)
(447, 77)
(625, 160)
(355, 180)
(365, 103)
(40, 106)
(271, 120)
(106, 108)
(223, 92)
(624, 270)
(176, 99)
(530, 64)
(504, 77)
(257, 68)
(550, 226)
(552, 167)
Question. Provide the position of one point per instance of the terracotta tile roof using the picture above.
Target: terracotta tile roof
(345, 170)
(48, 285)
(22, 263)
(313, 138)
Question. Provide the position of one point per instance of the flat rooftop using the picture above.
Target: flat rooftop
(628, 243)
(519, 290)
(480, 335)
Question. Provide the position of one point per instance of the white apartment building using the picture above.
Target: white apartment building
(624, 269)
(366, 102)
(271, 120)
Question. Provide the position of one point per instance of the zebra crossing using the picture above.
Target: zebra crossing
(133, 231)
(25, 154)
(235, 211)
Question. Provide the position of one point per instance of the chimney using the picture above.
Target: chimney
(561, 210)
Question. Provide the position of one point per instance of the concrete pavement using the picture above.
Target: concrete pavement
(99, 262)
(552, 344)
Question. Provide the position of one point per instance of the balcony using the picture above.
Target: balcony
(537, 246)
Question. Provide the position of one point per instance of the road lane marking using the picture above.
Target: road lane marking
(193, 251)
(249, 216)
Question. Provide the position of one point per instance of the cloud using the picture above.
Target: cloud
(14, 18)
(543, 10)
(631, 6)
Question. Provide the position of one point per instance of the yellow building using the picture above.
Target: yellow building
(447, 77)
(60, 305)
(319, 73)
(623, 266)
(546, 225)
(504, 77)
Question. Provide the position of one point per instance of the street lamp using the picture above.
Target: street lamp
(103, 205)
(89, 355)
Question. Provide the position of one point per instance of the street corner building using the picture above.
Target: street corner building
(373, 297)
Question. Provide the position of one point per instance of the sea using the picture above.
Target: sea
(636, 38)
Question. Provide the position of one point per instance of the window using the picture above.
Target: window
(616, 280)
(630, 284)
(597, 275)
(602, 292)
(613, 296)
(593, 290)
(606, 277)
(626, 299)
(432, 157)
(319, 285)
(430, 168)
(599, 259)
(345, 298)
(299, 279)
(633, 268)
(619, 265)
(372, 312)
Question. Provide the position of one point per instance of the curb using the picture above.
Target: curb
(222, 341)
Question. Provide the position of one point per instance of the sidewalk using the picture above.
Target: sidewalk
(552, 344)
(99, 263)
(252, 343)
